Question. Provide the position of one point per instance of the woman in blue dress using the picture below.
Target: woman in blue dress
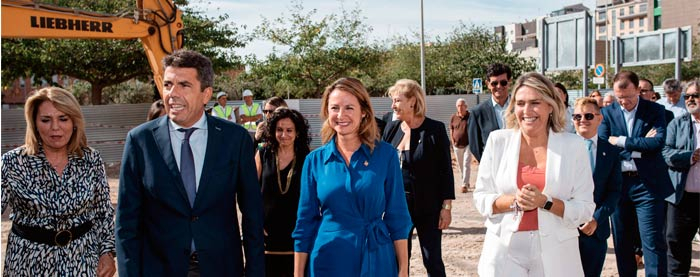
(352, 218)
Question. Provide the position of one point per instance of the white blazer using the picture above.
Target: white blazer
(567, 177)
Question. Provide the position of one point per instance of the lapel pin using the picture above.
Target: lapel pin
(366, 163)
(217, 128)
(603, 153)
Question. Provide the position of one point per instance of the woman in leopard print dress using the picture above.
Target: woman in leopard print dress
(62, 216)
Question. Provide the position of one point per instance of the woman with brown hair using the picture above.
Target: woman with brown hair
(352, 217)
(62, 216)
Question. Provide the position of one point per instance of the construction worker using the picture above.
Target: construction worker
(222, 110)
(250, 112)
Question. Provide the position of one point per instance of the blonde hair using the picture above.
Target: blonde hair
(368, 130)
(410, 89)
(545, 88)
(587, 101)
(63, 101)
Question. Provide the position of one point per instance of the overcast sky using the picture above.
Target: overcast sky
(394, 17)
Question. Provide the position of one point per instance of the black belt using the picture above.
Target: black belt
(630, 173)
(50, 237)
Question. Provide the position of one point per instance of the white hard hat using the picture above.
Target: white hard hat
(218, 95)
(247, 92)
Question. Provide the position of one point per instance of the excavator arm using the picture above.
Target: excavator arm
(156, 23)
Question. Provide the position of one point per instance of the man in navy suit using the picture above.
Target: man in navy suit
(488, 115)
(638, 128)
(682, 153)
(605, 162)
(181, 176)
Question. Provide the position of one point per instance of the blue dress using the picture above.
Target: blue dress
(350, 215)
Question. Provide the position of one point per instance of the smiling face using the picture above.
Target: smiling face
(692, 103)
(55, 128)
(285, 132)
(403, 107)
(495, 85)
(344, 113)
(584, 127)
(531, 111)
(182, 95)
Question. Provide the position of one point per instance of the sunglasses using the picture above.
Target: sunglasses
(587, 116)
(694, 96)
(268, 111)
(502, 82)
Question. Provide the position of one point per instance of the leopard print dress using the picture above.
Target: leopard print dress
(40, 197)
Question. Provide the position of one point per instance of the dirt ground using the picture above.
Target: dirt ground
(461, 243)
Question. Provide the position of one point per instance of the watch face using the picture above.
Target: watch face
(548, 205)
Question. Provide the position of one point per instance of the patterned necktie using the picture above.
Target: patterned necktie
(589, 146)
(187, 171)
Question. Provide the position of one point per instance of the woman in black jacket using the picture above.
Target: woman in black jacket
(424, 152)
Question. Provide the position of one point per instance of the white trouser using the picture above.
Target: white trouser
(464, 159)
(524, 255)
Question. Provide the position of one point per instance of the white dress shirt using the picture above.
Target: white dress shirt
(500, 111)
(692, 184)
(629, 123)
(198, 143)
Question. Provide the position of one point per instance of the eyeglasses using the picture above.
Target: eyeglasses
(587, 116)
(268, 111)
(502, 82)
(694, 96)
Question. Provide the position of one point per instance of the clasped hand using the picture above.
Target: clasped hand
(529, 197)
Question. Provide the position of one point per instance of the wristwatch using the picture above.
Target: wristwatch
(447, 206)
(549, 203)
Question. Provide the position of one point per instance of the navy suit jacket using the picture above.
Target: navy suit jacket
(680, 144)
(482, 120)
(651, 166)
(608, 182)
(155, 223)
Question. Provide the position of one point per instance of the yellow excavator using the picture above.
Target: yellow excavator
(156, 23)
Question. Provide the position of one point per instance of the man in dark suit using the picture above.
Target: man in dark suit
(181, 176)
(638, 128)
(488, 115)
(605, 161)
(682, 153)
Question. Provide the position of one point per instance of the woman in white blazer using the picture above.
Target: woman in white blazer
(534, 187)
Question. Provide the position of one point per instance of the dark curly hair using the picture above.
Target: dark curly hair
(301, 142)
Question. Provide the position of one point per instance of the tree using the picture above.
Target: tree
(104, 63)
(451, 63)
(317, 52)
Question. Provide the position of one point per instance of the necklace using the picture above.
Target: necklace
(289, 175)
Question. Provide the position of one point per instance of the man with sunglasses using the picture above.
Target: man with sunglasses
(488, 115)
(605, 164)
(682, 153)
(672, 101)
(638, 128)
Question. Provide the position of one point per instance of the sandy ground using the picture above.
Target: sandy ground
(461, 242)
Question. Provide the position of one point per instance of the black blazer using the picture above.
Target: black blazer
(155, 223)
(482, 120)
(608, 185)
(430, 163)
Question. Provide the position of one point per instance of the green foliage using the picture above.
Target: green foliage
(450, 62)
(104, 63)
(317, 53)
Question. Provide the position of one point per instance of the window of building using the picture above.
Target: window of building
(643, 8)
(601, 16)
(631, 24)
(601, 29)
(622, 25)
(631, 10)
(641, 22)
(622, 12)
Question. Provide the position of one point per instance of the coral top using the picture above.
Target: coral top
(535, 176)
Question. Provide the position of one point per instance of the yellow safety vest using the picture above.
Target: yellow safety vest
(250, 112)
(223, 114)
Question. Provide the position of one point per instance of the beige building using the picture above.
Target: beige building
(618, 17)
(680, 13)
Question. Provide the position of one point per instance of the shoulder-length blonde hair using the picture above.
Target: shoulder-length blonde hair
(368, 131)
(410, 89)
(545, 88)
(63, 101)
